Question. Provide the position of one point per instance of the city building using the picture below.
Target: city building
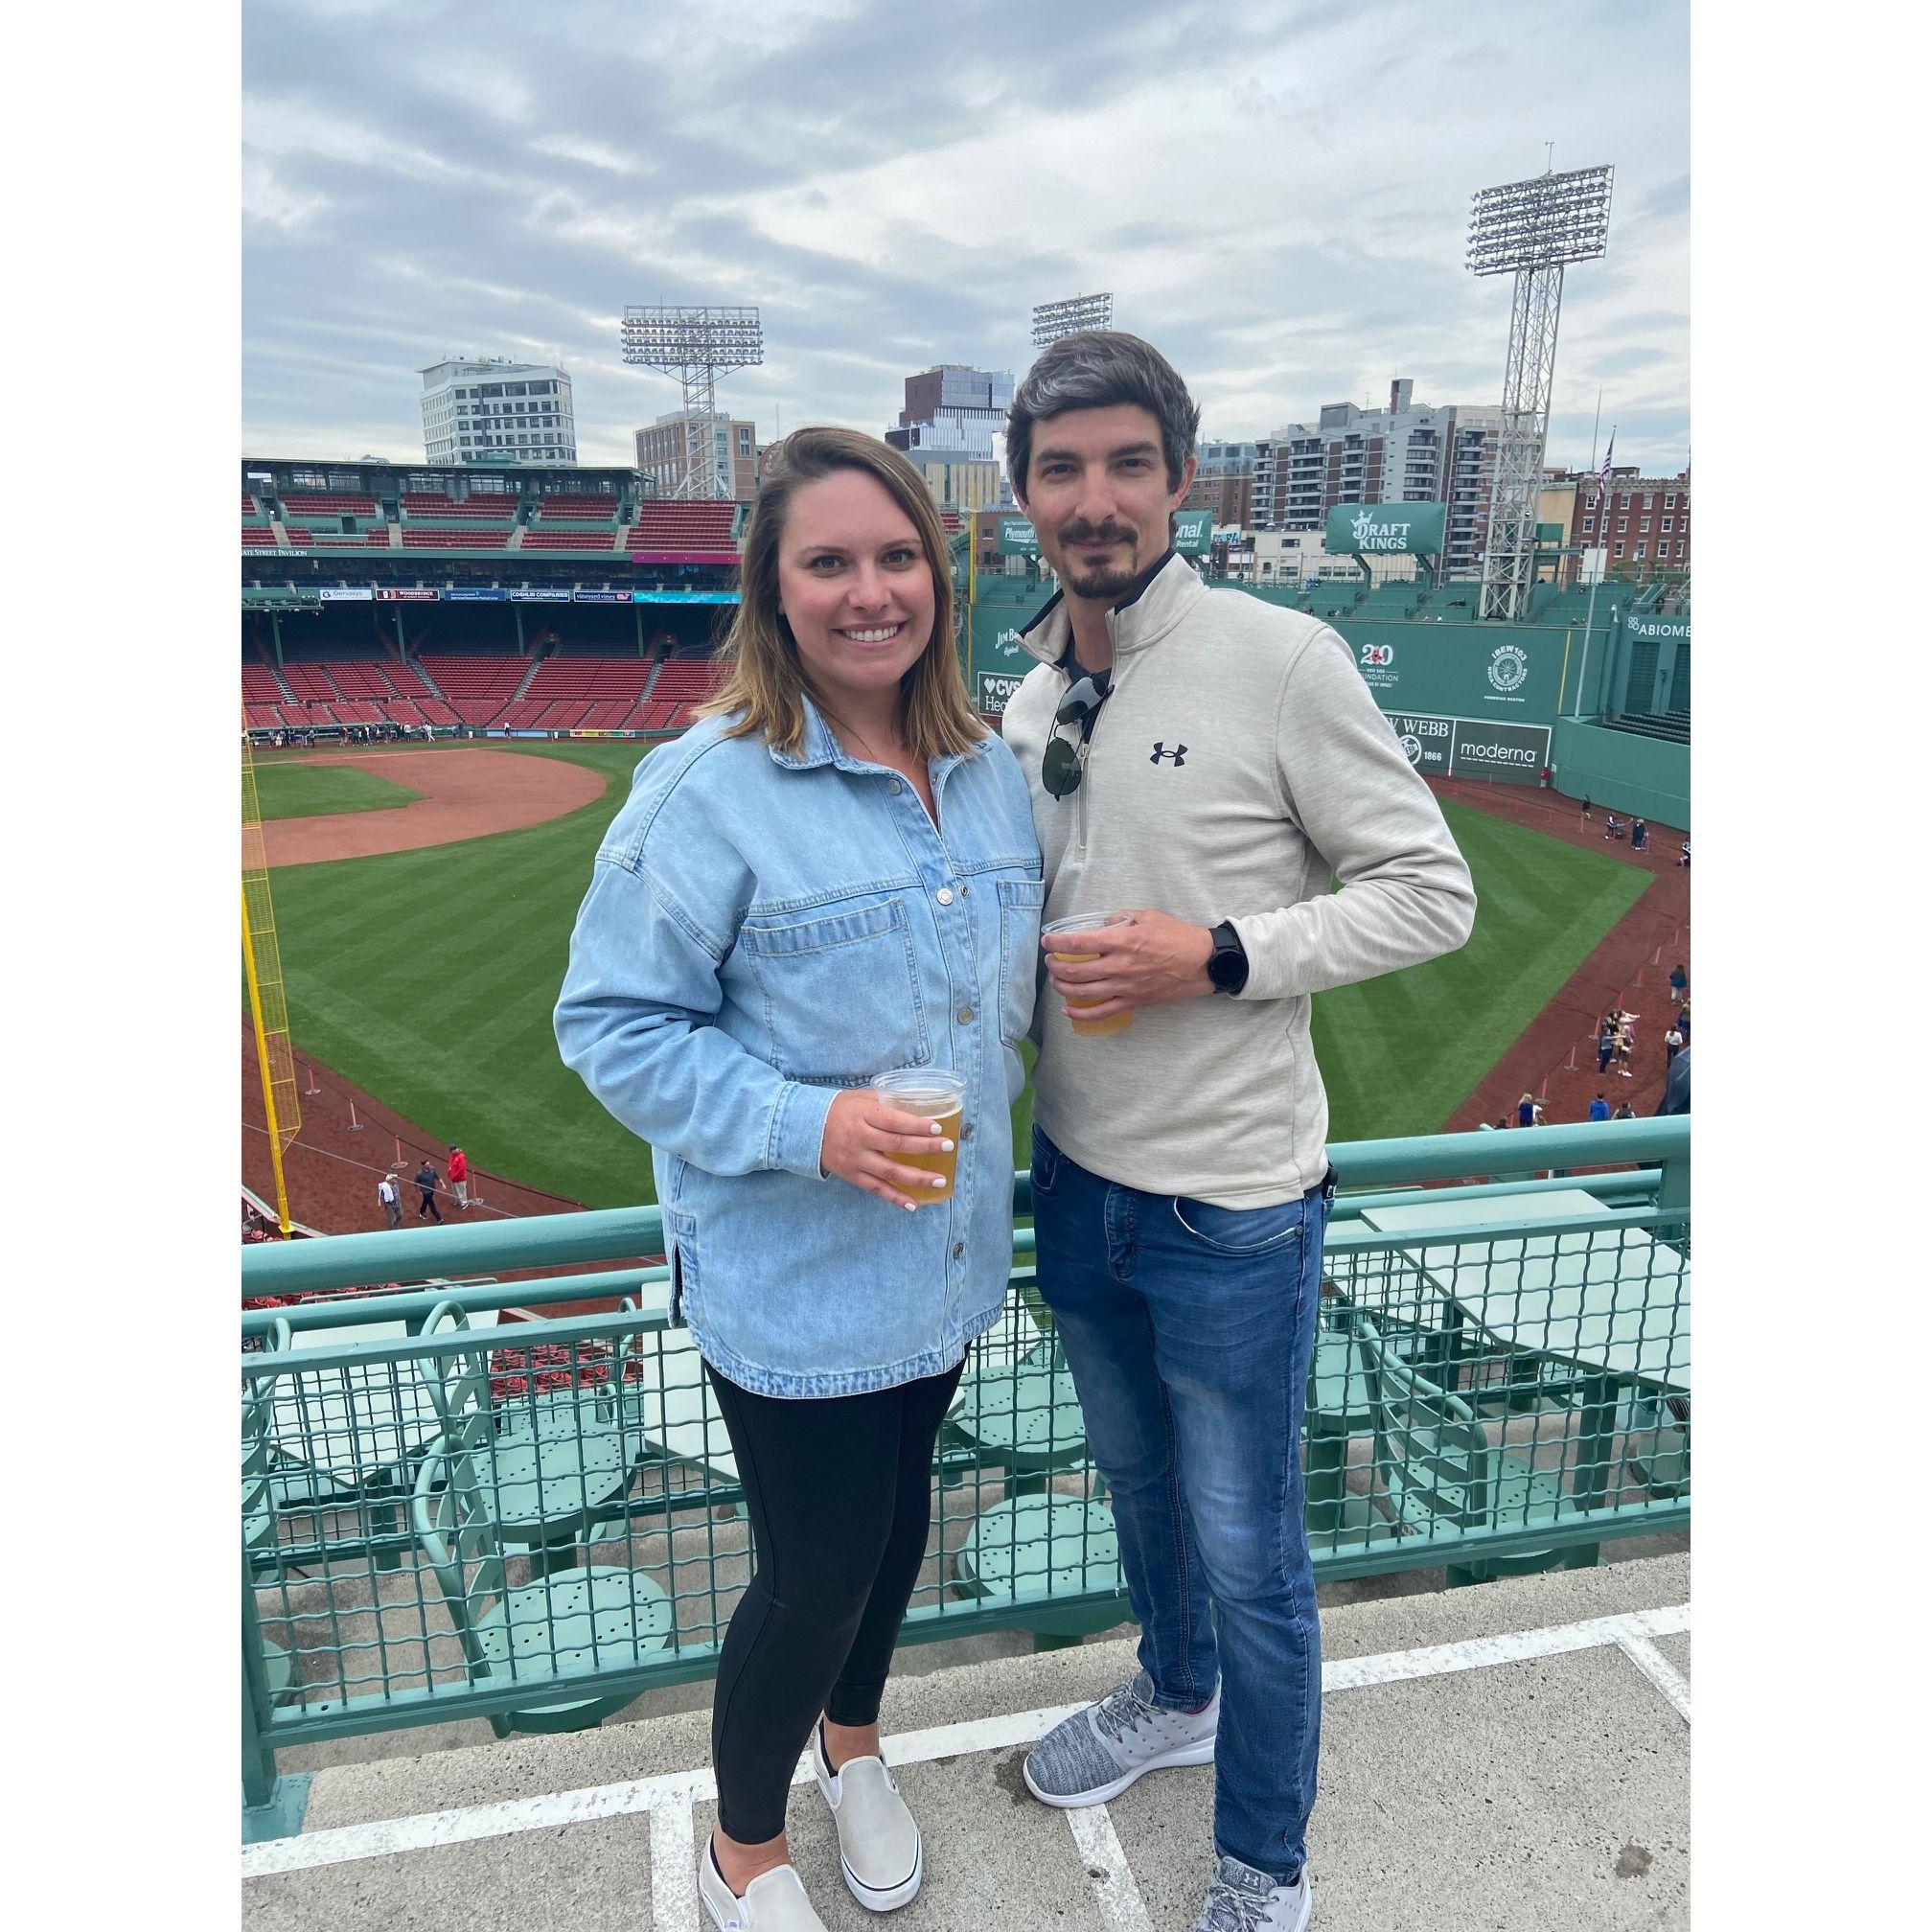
(1643, 522)
(490, 409)
(732, 445)
(1224, 481)
(959, 480)
(1409, 453)
(952, 407)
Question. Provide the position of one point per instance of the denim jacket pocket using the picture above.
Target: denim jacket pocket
(1021, 904)
(681, 1252)
(840, 993)
(1240, 1230)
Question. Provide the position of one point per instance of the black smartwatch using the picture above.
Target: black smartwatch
(1228, 963)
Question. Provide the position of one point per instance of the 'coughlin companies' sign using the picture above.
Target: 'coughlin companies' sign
(1386, 529)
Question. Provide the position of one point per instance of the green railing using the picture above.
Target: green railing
(446, 1517)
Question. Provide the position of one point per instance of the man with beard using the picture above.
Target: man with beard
(1203, 762)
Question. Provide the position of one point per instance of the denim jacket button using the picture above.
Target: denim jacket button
(895, 787)
(965, 1129)
(944, 895)
(958, 1248)
(965, 1015)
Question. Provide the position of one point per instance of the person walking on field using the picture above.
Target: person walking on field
(1624, 1112)
(425, 1182)
(1627, 1044)
(391, 1198)
(1526, 1111)
(1606, 1043)
(1640, 835)
(1673, 1044)
(459, 1177)
(1599, 1108)
(1206, 765)
(1680, 985)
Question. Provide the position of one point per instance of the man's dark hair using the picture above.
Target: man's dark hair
(1096, 369)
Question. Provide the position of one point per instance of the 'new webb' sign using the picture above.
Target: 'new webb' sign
(1386, 529)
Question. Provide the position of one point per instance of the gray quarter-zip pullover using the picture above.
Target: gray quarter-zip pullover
(1238, 769)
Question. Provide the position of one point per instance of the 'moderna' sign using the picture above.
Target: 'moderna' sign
(1386, 529)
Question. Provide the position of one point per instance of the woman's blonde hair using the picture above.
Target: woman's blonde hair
(766, 680)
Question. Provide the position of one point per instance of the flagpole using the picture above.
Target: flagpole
(1590, 614)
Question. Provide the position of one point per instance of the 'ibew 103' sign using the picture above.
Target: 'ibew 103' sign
(1386, 529)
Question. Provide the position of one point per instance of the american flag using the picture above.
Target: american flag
(1603, 473)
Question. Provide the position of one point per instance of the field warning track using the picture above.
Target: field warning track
(466, 795)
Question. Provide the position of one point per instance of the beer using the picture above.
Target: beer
(1116, 1023)
(938, 1096)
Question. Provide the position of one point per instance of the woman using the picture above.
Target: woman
(1680, 985)
(832, 875)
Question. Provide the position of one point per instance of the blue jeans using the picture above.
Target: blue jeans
(1189, 1330)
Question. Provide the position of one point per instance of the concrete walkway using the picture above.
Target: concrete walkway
(1512, 1756)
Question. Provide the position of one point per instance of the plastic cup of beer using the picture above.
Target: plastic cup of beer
(935, 1093)
(1090, 921)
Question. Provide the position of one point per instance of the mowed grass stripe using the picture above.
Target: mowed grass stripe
(295, 790)
(1400, 1054)
(428, 978)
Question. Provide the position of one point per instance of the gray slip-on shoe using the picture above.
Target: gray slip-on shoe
(774, 1902)
(878, 1850)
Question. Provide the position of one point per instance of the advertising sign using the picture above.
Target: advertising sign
(461, 596)
(1486, 750)
(540, 596)
(407, 596)
(600, 596)
(1471, 748)
(1386, 529)
(346, 593)
(1016, 538)
(992, 689)
(1428, 741)
(684, 596)
(1193, 532)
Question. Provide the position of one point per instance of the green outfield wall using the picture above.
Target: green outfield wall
(1467, 700)
(1622, 771)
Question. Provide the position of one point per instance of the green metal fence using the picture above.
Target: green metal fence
(444, 1515)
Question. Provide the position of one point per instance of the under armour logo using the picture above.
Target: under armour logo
(1179, 754)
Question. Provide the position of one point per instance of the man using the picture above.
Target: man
(1599, 1109)
(459, 1176)
(391, 1198)
(1203, 761)
(425, 1186)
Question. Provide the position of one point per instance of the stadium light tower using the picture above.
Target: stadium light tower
(693, 344)
(1529, 229)
(1052, 320)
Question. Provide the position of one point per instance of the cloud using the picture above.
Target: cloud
(1276, 193)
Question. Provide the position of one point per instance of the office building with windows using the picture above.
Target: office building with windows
(951, 407)
(490, 409)
(730, 447)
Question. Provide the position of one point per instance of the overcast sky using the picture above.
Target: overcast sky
(1274, 190)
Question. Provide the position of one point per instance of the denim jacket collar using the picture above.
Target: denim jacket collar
(822, 747)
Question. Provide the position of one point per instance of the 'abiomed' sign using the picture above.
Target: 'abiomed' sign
(1386, 529)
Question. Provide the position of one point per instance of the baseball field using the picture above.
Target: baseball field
(426, 978)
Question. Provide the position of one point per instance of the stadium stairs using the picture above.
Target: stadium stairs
(1539, 1726)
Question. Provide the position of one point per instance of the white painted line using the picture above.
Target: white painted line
(1121, 1906)
(549, 1810)
(1516, 1647)
(673, 1864)
(1660, 1670)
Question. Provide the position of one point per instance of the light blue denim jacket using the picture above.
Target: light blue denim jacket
(760, 931)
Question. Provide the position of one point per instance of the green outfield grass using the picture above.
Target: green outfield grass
(295, 790)
(428, 978)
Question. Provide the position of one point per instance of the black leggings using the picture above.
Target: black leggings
(839, 1495)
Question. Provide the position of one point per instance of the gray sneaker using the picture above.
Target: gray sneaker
(1095, 1753)
(1243, 1899)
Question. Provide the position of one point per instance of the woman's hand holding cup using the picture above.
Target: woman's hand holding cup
(862, 1133)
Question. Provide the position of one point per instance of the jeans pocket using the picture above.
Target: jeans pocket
(1240, 1230)
(1046, 1159)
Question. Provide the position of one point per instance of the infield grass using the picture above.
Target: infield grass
(295, 790)
(428, 977)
